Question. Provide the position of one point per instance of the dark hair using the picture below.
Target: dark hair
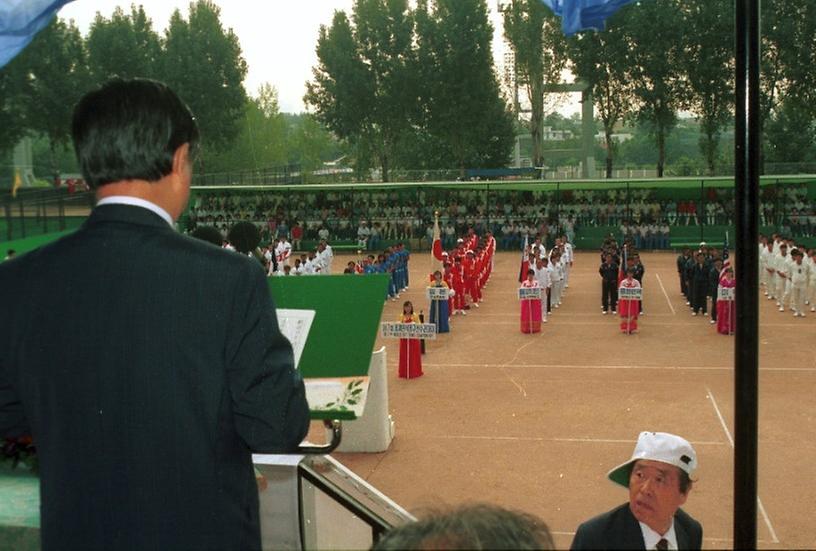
(685, 481)
(208, 234)
(470, 527)
(530, 272)
(130, 130)
(244, 236)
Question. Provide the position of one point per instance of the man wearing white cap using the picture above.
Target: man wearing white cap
(658, 476)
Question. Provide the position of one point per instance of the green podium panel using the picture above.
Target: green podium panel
(338, 349)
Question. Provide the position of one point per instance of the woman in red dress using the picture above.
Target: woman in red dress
(726, 311)
(530, 308)
(410, 351)
(629, 308)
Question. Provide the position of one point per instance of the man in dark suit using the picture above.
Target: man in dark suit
(147, 365)
(658, 478)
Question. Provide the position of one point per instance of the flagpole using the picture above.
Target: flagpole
(746, 353)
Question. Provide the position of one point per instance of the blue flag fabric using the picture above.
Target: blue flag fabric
(580, 15)
(20, 21)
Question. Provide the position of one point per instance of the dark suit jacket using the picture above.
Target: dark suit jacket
(148, 366)
(619, 529)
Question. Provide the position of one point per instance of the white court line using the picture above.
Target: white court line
(611, 367)
(731, 441)
(572, 440)
(665, 294)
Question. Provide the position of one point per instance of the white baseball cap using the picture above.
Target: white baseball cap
(657, 446)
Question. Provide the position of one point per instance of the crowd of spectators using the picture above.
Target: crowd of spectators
(371, 217)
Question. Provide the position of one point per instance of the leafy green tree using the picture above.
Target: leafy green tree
(460, 92)
(123, 45)
(261, 141)
(310, 143)
(364, 86)
(708, 56)
(56, 71)
(788, 58)
(791, 133)
(534, 33)
(600, 60)
(655, 67)
(12, 78)
(203, 63)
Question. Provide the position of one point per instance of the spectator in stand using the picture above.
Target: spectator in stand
(363, 235)
(297, 236)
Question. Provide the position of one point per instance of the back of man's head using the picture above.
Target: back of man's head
(130, 130)
(471, 527)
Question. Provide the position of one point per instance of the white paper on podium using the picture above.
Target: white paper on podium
(295, 326)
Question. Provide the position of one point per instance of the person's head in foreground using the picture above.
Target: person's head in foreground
(129, 136)
(470, 527)
(658, 477)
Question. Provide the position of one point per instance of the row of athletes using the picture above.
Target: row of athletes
(787, 274)
(466, 271)
(549, 271)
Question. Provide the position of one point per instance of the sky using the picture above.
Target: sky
(278, 37)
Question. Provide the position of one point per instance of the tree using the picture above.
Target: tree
(12, 79)
(261, 141)
(364, 86)
(56, 70)
(203, 63)
(460, 92)
(790, 133)
(788, 57)
(535, 36)
(655, 61)
(708, 56)
(124, 45)
(600, 60)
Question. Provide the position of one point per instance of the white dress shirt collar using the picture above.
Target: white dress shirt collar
(650, 537)
(137, 202)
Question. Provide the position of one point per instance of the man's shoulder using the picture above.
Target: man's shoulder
(607, 530)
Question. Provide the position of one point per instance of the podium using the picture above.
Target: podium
(335, 353)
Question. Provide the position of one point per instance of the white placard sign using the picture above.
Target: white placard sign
(726, 293)
(395, 330)
(295, 326)
(529, 293)
(437, 293)
(630, 293)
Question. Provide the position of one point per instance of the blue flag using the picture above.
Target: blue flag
(20, 21)
(580, 15)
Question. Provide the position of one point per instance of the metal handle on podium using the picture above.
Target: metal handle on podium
(336, 428)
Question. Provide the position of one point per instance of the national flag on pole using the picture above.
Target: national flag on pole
(525, 261)
(18, 183)
(436, 248)
(725, 248)
(622, 274)
(581, 15)
(20, 21)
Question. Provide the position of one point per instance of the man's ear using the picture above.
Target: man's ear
(181, 159)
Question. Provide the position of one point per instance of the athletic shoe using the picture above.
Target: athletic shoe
(476, 304)
(813, 308)
(781, 308)
(712, 322)
(614, 311)
(604, 312)
(544, 320)
(694, 313)
(463, 312)
(688, 303)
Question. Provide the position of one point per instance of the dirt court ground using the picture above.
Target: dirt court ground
(534, 422)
